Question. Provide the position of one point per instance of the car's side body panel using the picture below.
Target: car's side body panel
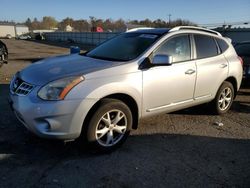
(211, 72)
(165, 86)
(235, 66)
(129, 84)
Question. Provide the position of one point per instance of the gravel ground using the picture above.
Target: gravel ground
(182, 149)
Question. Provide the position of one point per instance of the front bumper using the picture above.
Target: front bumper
(51, 119)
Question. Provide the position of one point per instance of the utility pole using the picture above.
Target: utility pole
(169, 18)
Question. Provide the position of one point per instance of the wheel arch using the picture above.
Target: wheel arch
(233, 81)
(127, 99)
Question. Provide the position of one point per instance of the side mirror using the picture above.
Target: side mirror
(162, 60)
(74, 50)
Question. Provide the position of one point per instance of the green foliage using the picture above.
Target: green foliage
(82, 25)
(48, 22)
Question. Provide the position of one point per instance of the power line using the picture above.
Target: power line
(225, 24)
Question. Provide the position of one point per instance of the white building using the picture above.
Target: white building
(12, 30)
(69, 28)
(43, 31)
(21, 29)
(7, 29)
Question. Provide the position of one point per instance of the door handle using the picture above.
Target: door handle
(190, 71)
(223, 65)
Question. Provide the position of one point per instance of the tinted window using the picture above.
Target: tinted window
(205, 46)
(177, 47)
(222, 44)
(124, 47)
(243, 49)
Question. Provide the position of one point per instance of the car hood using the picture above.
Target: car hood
(54, 68)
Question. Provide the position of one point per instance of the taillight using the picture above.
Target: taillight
(241, 60)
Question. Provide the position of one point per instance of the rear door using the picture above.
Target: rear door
(212, 67)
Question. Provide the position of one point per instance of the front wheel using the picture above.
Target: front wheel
(224, 98)
(109, 125)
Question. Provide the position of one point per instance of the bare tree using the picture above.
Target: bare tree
(81, 25)
(67, 21)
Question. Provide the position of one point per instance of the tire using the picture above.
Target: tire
(4, 52)
(224, 98)
(109, 125)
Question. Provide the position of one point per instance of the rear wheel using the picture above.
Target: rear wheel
(110, 125)
(224, 98)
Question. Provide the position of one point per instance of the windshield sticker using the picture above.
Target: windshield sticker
(148, 36)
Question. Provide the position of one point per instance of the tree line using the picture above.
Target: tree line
(83, 25)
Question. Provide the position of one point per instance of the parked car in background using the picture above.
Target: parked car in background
(101, 95)
(39, 36)
(24, 37)
(3, 53)
(243, 50)
(8, 36)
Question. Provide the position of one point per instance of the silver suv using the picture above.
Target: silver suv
(100, 95)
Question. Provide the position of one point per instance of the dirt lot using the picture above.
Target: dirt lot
(182, 149)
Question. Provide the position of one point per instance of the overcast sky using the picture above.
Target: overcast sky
(198, 11)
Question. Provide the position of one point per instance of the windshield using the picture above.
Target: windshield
(124, 47)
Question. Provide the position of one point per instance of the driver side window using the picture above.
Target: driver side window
(177, 47)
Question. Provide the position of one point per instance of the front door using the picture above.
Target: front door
(166, 87)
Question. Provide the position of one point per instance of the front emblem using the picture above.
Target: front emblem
(15, 84)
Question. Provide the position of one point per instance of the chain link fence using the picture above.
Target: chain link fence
(89, 38)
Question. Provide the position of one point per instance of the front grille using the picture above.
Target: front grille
(24, 89)
(20, 87)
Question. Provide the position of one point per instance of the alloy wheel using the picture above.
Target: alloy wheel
(225, 98)
(111, 128)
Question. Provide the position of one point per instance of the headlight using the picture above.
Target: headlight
(58, 89)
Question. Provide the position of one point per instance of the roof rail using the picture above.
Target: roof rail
(138, 28)
(195, 28)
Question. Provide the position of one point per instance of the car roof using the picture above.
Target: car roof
(156, 31)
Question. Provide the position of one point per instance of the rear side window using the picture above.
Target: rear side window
(222, 44)
(205, 46)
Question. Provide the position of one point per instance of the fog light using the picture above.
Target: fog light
(43, 126)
